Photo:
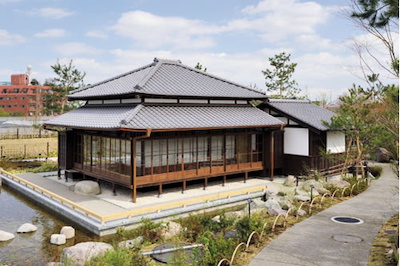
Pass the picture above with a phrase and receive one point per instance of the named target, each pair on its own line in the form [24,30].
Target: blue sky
[232,38]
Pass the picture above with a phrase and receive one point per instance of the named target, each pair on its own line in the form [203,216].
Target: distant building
[21,96]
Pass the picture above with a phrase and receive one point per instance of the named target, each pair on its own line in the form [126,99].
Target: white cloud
[7,38]
[51,33]
[153,31]
[48,12]
[76,48]
[277,20]
[96,34]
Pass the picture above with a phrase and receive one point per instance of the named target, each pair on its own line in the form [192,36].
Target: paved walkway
[320,241]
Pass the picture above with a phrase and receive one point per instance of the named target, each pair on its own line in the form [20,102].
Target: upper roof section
[165,117]
[166,78]
[300,111]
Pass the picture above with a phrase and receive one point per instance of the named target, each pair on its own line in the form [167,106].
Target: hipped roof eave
[52,127]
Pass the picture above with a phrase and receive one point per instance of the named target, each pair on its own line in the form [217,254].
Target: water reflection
[32,248]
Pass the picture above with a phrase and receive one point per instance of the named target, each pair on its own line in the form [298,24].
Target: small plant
[217,248]
[246,225]
[376,171]
[150,230]
[120,256]
[281,194]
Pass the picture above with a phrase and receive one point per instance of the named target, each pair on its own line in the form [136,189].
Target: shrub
[46,167]
[149,230]
[376,171]
[120,256]
[246,225]
[217,248]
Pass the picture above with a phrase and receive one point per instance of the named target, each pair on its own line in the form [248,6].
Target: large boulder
[171,229]
[301,195]
[132,243]
[273,207]
[26,228]
[82,252]
[68,231]
[87,187]
[383,155]
[5,236]
[58,239]
[339,183]
[284,202]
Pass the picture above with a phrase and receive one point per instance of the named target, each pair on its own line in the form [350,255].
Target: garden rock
[171,230]
[217,218]
[58,239]
[231,234]
[318,187]
[273,207]
[339,183]
[258,204]
[234,214]
[269,194]
[290,181]
[26,228]
[87,187]
[5,236]
[301,212]
[82,252]
[285,203]
[383,155]
[68,231]
[301,197]
[132,243]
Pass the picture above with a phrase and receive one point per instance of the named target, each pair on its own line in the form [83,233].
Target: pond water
[32,248]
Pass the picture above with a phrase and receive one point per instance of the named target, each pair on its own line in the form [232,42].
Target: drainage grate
[347,220]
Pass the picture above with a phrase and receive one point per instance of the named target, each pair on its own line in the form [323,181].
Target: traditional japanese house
[306,143]
[165,123]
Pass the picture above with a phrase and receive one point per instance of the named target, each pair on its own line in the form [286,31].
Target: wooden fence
[25,133]
[28,148]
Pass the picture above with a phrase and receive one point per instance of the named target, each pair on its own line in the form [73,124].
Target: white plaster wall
[335,142]
[296,141]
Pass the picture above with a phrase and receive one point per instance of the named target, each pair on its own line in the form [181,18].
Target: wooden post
[224,180]
[205,183]
[183,186]
[272,156]
[246,176]
[133,165]
[159,190]
[224,154]
[114,190]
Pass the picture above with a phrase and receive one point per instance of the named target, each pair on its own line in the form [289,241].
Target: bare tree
[371,59]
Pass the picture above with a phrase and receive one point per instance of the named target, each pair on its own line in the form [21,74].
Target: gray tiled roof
[168,78]
[162,117]
[303,111]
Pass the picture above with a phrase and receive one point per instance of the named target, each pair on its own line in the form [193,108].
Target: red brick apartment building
[22,97]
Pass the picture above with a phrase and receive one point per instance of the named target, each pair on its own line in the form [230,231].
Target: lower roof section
[164,118]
